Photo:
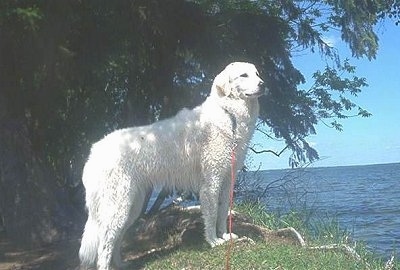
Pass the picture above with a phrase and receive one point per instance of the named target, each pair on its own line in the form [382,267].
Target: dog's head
[239,80]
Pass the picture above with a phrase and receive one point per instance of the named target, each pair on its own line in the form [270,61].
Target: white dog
[191,151]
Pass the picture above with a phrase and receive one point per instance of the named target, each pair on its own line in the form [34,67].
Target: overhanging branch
[269,151]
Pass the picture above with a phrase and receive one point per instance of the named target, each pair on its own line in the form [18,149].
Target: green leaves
[94,67]
[331,90]
[30,16]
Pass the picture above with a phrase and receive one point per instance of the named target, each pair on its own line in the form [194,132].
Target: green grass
[262,255]
[259,256]
[321,231]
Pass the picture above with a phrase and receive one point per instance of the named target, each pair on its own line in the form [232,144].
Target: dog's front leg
[223,211]
[209,194]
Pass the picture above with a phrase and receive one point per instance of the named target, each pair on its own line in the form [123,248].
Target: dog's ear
[221,84]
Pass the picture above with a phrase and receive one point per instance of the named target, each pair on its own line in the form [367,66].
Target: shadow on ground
[150,239]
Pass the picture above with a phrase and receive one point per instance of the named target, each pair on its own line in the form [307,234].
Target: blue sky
[363,141]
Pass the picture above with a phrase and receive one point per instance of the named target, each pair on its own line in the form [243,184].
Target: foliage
[102,65]
[391,10]
[75,70]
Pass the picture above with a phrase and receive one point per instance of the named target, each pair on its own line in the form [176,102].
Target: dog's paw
[216,242]
[227,236]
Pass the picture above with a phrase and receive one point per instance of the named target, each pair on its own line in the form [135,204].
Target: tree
[71,71]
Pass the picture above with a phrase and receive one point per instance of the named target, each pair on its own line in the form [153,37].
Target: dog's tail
[89,244]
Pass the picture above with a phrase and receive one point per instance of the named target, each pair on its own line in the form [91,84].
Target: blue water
[364,199]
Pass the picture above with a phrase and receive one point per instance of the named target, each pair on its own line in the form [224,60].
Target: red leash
[230,224]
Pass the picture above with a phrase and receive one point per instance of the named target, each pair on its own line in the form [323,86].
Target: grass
[262,255]
[321,231]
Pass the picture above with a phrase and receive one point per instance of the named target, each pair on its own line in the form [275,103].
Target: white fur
[191,151]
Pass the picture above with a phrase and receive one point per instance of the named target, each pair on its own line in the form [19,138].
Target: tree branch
[269,151]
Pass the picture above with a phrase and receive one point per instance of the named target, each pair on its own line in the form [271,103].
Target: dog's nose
[263,87]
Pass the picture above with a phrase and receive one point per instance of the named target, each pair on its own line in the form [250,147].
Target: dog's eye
[244,75]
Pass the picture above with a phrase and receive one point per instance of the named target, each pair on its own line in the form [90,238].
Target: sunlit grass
[260,256]
[267,255]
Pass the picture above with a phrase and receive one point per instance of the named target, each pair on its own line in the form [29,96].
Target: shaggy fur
[190,151]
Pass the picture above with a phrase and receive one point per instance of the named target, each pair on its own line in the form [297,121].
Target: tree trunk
[28,201]
[33,208]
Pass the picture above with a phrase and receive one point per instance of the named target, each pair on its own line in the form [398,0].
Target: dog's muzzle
[262,90]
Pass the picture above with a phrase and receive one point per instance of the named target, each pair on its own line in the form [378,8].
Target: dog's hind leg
[121,208]
[116,256]
[134,213]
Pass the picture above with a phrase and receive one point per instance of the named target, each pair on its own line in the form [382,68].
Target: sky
[372,140]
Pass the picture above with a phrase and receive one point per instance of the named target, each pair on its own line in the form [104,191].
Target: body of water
[364,199]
